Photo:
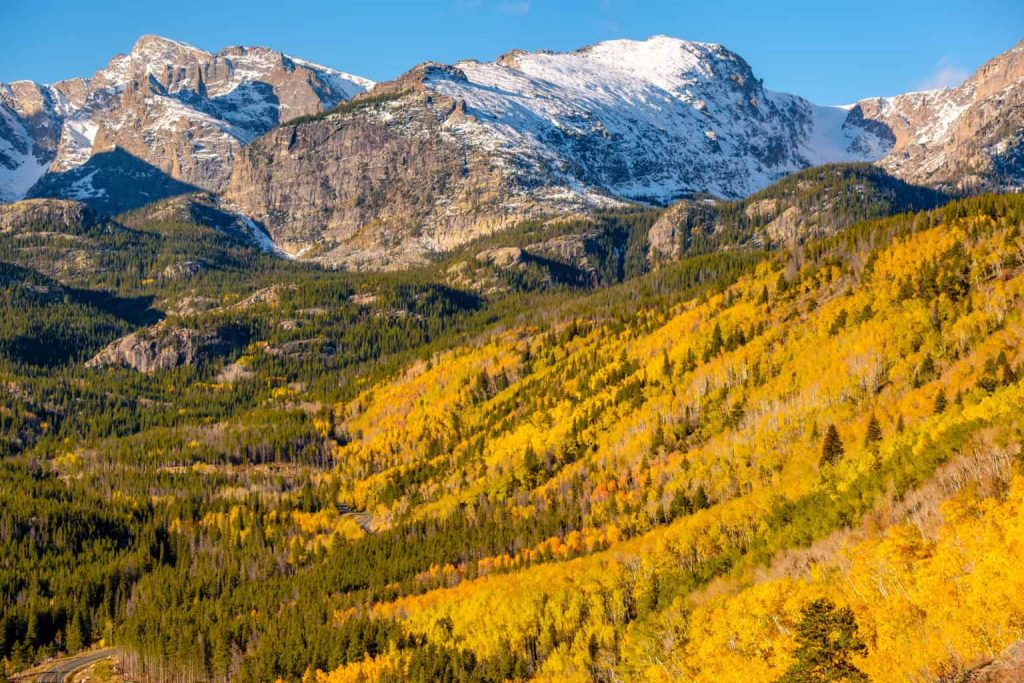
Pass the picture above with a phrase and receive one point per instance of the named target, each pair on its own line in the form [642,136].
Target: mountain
[965,139]
[174,115]
[446,153]
[338,476]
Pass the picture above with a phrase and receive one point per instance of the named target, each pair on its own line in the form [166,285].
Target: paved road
[57,672]
[363,519]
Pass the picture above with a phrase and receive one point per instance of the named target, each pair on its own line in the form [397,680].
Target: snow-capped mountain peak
[181,110]
[652,120]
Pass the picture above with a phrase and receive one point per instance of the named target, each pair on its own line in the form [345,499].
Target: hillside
[655,453]
[653,479]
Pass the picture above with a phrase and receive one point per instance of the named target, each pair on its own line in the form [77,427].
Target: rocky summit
[445,154]
[168,112]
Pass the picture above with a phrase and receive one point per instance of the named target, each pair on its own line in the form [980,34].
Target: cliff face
[968,138]
[379,183]
[164,346]
[445,154]
[48,214]
[811,203]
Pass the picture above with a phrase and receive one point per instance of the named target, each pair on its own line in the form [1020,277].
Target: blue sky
[831,51]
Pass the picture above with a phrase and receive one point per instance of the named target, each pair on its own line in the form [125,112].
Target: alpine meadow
[604,365]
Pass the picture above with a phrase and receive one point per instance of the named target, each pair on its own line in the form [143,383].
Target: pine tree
[832,448]
[666,366]
[873,434]
[531,464]
[700,499]
[941,403]
[826,638]
[715,344]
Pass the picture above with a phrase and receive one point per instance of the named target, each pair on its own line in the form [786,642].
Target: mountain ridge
[184,110]
[381,176]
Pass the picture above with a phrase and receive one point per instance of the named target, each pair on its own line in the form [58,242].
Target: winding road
[363,519]
[61,670]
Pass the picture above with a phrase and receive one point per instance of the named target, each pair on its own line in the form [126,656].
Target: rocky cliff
[966,139]
[165,346]
[448,153]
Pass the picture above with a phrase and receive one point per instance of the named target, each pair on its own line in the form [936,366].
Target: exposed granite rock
[1008,667]
[811,203]
[165,346]
[191,305]
[445,154]
[377,185]
[178,109]
[501,257]
[665,238]
[183,271]
[268,295]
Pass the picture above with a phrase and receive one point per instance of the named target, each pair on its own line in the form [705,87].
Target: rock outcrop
[379,183]
[446,154]
[47,215]
[811,203]
[165,346]
[1008,667]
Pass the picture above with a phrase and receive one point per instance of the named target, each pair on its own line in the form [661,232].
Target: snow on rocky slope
[968,138]
[444,153]
[648,120]
[181,110]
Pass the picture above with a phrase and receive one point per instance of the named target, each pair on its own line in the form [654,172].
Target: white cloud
[946,75]
[518,9]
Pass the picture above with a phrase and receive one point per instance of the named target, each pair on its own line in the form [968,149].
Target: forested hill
[682,474]
[811,203]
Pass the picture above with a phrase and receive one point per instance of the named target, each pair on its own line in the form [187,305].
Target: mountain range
[338,169]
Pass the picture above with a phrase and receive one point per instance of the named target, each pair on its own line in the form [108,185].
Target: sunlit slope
[622,464]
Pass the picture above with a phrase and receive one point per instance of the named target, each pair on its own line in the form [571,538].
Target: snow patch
[259,236]
[648,120]
[19,167]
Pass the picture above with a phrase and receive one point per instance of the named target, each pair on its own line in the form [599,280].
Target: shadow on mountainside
[111,182]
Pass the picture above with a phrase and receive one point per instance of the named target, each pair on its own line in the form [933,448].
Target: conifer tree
[873,434]
[826,638]
[832,448]
[941,403]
